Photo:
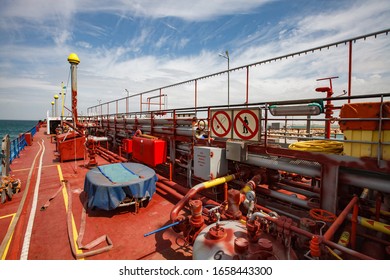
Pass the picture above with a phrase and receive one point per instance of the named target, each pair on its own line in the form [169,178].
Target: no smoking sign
[221,124]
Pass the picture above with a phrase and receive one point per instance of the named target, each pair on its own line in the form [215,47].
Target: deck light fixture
[311,109]
[55,105]
[52,108]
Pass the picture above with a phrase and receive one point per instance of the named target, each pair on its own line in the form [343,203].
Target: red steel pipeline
[179,188]
[332,244]
[164,188]
[196,189]
[111,154]
[168,190]
[178,191]
[168,186]
[175,189]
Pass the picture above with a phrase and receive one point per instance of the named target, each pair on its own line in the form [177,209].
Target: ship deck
[312,192]
[27,232]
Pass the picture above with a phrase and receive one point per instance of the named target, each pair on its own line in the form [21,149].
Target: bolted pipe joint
[196,219]
[251,184]
[253,230]
[234,198]
[315,249]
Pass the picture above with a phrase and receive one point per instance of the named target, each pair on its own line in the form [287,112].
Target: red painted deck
[49,236]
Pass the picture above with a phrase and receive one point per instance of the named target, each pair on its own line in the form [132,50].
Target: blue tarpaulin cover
[108,185]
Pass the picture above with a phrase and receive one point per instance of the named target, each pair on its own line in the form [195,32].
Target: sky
[140,45]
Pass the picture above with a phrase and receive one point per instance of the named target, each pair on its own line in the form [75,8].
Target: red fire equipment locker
[149,151]
[127,145]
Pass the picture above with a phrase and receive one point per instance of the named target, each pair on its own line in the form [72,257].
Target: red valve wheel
[322,215]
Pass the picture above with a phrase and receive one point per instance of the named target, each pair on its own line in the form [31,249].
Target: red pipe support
[340,219]
[170,171]
[354,226]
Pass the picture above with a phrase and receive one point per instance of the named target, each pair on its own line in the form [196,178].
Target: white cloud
[84,44]
[183,42]
[188,10]
[194,10]
[62,37]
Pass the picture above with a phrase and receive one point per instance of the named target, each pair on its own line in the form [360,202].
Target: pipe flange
[217,233]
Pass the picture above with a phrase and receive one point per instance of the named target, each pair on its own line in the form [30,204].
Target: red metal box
[71,146]
[127,145]
[149,151]
[29,138]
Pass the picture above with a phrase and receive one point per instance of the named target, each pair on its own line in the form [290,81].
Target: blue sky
[143,44]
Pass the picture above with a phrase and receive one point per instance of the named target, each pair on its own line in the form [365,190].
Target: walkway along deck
[29,233]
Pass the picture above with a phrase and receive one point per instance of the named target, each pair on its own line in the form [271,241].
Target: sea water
[14,127]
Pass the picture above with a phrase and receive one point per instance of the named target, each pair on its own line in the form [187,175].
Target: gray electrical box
[210,162]
[236,150]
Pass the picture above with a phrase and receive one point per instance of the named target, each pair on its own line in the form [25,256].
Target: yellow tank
[367,150]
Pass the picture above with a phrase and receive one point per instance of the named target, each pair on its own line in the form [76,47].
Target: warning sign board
[221,123]
[246,124]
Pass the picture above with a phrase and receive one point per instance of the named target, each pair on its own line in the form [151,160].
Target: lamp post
[52,108]
[127,101]
[226,56]
[100,108]
[55,105]
[74,60]
[63,98]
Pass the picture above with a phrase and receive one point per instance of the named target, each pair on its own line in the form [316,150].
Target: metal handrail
[247,66]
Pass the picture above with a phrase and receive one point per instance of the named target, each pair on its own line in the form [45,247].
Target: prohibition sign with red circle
[219,124]
[252,133]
